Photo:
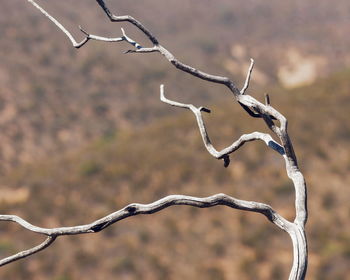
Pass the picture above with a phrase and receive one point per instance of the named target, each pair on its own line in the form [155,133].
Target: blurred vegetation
[168,157]
[55,98]
[83,133]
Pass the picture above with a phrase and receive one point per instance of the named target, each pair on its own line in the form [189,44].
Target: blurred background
[83,133]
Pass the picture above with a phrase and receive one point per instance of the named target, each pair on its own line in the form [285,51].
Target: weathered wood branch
[249,74]
[23,254]
[253,107]
[60,26]
[135,209]
[224,153]
[127,18]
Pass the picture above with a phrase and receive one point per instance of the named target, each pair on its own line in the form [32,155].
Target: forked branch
[274,120]
[224,153]
[135,209]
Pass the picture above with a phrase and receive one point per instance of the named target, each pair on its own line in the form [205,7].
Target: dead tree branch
[249,74]
[253,107]
[223,154]
[135,209]
[23,254]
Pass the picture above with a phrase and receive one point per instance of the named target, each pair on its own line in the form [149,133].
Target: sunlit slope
[168,157]
[55,98]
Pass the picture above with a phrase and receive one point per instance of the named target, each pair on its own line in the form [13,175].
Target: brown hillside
[54,98]
[168,157]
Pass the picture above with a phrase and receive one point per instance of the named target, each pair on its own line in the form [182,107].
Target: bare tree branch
[256,109]
[206,140]
[27,253]
[130,19]
[135,209]
[253,107]
[60,26]
[246,84]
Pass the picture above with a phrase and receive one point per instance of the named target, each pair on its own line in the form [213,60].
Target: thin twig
[247,80]
[23,254]
[60,26]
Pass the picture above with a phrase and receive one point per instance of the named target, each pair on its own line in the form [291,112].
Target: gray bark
[275,121]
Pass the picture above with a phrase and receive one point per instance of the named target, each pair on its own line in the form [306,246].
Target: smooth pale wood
[253,107]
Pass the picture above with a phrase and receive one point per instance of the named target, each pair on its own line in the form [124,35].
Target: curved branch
[252,106]
[29,252]
[130,19]
[170,57]
[60,26]
[135,209]
[266,138]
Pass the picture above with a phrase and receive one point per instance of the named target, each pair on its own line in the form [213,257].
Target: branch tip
[82,30]
[247,80]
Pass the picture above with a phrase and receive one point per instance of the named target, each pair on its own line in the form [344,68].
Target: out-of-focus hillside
[167,157]
[54,98]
